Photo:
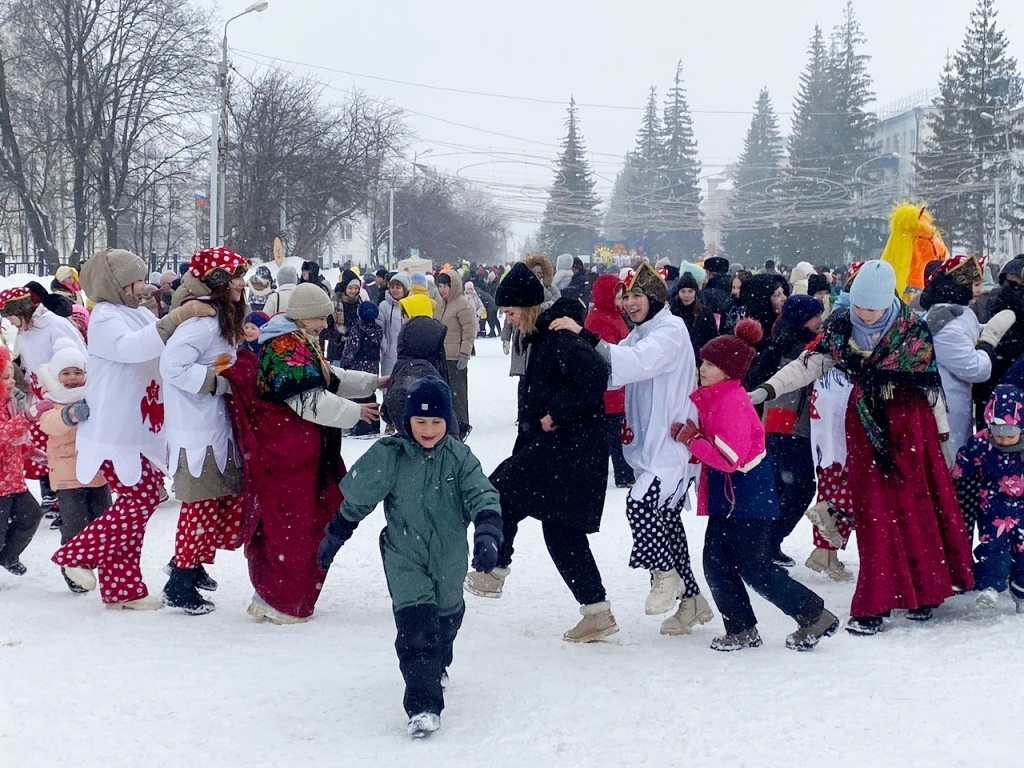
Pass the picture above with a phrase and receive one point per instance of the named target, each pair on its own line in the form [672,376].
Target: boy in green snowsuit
[432,487]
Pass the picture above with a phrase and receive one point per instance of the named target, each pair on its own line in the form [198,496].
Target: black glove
[487,541]
[339,530]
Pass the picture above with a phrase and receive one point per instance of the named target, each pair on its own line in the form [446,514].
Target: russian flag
[202,201]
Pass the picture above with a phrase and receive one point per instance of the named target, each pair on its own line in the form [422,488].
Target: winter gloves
[37,409]
[487,540]
[215,384]
[75,413]
[339,530]
[996,328]
[759,395]
[684,433]
[463,363]
[165,326]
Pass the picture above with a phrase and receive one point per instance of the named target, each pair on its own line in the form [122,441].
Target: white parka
[656,365]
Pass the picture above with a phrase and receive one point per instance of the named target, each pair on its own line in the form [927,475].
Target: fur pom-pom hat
[733,353]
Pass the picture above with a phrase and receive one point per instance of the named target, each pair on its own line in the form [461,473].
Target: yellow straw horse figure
[914,240]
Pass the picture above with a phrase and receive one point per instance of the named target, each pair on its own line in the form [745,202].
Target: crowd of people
[762,397]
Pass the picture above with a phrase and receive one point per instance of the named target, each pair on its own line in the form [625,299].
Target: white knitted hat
[66,355]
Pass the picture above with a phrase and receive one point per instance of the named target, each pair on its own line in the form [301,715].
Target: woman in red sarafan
[288,408]
[914,549]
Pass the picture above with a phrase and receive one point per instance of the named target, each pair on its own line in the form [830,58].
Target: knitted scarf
[903,359]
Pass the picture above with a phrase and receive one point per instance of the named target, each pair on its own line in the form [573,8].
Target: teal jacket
[430,497]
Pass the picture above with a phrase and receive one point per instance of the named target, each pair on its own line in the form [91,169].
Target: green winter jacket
[430,497]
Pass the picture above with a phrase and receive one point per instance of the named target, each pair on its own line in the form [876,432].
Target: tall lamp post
[219,134]
[1005,123]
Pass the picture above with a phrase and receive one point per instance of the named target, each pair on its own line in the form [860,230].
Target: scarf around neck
[866,336]
[902,358]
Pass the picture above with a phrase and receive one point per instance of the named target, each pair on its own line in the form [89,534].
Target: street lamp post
[1005,123]
[218,141]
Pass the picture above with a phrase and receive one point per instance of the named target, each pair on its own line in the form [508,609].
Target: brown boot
[486,584]
[827,561]
[691,612]
[597,623]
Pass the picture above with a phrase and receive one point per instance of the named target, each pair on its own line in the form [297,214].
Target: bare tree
[300,166]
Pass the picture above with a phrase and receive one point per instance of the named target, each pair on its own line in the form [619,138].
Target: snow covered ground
[82,687]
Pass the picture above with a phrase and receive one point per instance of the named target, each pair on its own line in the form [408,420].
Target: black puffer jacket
[559,476]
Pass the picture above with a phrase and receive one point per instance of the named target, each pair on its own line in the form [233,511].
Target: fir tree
[967,150]
[810,230]
[754,208]
[571,221]
[632,212]
[865,226]
[680,223]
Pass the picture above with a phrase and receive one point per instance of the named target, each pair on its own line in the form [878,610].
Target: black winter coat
[559,476]
[422,338]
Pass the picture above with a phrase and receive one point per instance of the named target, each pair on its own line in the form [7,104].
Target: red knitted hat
[733,354]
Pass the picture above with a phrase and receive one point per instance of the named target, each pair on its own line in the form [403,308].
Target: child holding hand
[432,487]
[737,492]
[63,383]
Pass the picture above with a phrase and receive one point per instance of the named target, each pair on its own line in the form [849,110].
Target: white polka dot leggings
[113,542]
[659,540]
[206,526]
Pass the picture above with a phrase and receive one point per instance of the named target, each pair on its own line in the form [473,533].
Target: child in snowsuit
[19,511]
[432,487]
[63,383]
[737,492]
[988,480]
[362,353]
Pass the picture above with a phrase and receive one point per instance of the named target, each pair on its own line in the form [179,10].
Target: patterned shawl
[290,365]
[903,359]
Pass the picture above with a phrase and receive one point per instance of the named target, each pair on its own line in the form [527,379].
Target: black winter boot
[181,592]
[204,581]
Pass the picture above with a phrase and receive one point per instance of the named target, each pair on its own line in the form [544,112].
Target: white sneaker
[691,612]
[987,598]
[83,577]
[259,609]
[423,724]
[666,587]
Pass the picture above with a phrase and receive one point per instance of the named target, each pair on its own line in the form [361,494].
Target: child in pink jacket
[737,492]
[19,511]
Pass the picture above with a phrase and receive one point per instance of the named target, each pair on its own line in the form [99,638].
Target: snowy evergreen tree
[633,214]
[754,207]
[833,191]
[811,230]
[866,225]
[680,223]
[967,150]
[571,221]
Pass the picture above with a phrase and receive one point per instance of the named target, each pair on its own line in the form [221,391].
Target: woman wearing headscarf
[288,410]
[887,422]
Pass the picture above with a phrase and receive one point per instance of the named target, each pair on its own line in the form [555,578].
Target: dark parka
[559,476]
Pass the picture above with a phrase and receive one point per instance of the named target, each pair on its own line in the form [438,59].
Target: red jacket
[14,447]
[606,321]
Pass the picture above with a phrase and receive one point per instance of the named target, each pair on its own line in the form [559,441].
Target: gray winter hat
[287,275]
[309,301]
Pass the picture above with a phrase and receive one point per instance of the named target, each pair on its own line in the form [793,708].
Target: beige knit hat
[125,266]
[309,301]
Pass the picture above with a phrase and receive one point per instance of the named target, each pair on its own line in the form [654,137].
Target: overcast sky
[607,54]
